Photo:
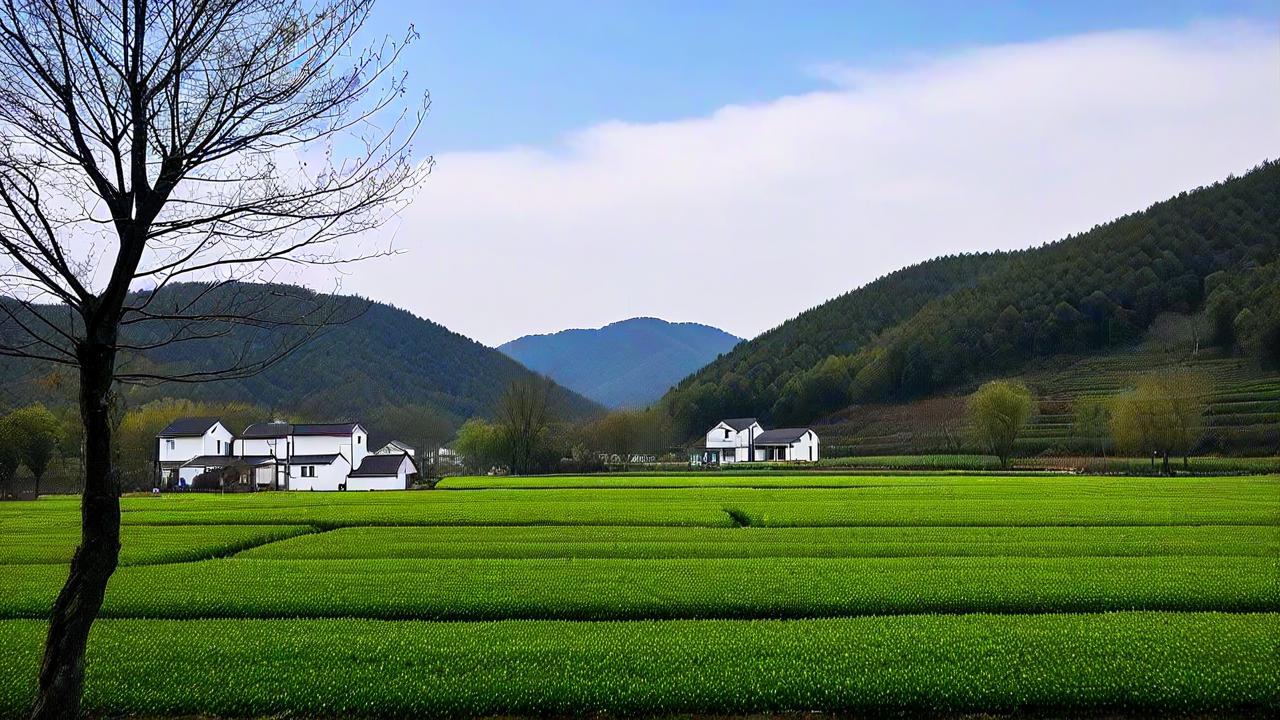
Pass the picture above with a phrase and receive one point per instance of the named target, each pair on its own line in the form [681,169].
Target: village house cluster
[744,440]
[279,456]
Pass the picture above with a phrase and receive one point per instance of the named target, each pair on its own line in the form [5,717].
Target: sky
[737,163]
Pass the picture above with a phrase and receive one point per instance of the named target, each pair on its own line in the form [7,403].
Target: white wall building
[787,444]
[744,440]
[730,441]
[185,439]
[286,456]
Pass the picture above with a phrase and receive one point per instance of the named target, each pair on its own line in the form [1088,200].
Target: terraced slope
[1243,413]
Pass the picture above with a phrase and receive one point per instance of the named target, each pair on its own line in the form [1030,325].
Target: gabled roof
[229,461]
[781,436]
[313,459]
[326,428]
[380,465]
[281,429]
[739,424]
[395,447]
[188,427]
[266,430]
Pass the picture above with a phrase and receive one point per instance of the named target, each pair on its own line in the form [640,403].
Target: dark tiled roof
[739,424]
[395,447]
[781,436]
[266,430]
[313,459]
[229,460]
[379,465]
[189,427]
[325,428]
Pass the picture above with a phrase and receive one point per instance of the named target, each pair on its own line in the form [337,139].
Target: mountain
[942,326]
[382,358]
[629,363]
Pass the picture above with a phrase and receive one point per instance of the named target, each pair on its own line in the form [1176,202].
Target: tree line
[1161,417]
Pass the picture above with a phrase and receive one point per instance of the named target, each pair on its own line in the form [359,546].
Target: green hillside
[1209,254]
[1243,413]
[381,357]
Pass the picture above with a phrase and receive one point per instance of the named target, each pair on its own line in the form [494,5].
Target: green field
[680,594]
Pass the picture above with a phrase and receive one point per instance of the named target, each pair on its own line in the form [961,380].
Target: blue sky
[603,160]
[506,73]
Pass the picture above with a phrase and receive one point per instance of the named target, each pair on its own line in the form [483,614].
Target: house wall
[805,449]
[735,448]
[275,447]
[328,477]
[353,447]
[185,448]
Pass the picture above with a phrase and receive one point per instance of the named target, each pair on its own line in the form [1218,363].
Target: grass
[1111,663]
[679,542]
[34,542]
[900,501]
[626,589]
[666,595]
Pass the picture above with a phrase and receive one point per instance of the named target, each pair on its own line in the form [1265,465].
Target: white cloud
[744,218]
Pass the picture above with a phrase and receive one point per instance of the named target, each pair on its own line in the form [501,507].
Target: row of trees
[530,434]
[1163,417]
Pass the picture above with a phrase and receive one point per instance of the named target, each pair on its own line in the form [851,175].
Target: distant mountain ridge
[629,363]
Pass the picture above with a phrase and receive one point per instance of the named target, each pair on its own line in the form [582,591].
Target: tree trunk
[62,670]
[1165,466]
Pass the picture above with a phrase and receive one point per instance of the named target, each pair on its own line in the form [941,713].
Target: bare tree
[144,142]
[524,414]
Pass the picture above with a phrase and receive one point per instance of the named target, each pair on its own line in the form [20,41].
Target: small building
[185,439]
[730,441]
[395,447]
[787,444]
[744,440]
[383,472]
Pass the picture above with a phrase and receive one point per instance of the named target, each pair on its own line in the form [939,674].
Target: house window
[726,434]
[307,471]
[359,440]
[219,447]
[168,444]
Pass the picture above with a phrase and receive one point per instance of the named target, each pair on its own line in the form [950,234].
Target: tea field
[667,595]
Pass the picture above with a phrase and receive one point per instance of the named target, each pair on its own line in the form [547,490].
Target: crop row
[483,589]
[33,542]
[1132,663]
[918,501]
[569,541]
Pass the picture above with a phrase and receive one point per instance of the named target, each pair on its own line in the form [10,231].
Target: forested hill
[382,357]
[950,321]
[630,363]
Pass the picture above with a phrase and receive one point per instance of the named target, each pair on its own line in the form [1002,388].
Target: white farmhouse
[186,439]
[285,456]
[744,440]
[786,444]
[731,441]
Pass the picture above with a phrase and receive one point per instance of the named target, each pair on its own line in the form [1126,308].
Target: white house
[787,444]
[731,441]
[286,456]
[186,439]
[383,472]
[744,440]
